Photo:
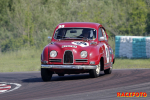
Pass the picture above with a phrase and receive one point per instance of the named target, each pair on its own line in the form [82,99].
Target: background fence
[132,46]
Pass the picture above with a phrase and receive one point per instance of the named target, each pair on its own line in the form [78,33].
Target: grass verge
[131,63]
[22,60]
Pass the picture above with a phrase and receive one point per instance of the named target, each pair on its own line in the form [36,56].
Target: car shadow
[61,78]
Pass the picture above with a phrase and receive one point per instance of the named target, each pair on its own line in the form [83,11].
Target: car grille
[81,60]
[68,57]
[54,60]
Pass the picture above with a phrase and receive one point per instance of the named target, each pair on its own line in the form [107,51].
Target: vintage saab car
[77,47]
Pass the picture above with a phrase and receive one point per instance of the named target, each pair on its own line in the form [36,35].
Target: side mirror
[101,38]
[49,38]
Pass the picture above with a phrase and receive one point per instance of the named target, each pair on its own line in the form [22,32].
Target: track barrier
[132,47]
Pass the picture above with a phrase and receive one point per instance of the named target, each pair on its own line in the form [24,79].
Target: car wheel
[46,74]
[95,72]
[61,74]
[108,71]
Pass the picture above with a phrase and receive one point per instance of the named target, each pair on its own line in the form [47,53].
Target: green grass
[29,60]
[131,63]
[22,60]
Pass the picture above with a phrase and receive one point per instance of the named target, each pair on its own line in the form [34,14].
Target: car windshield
[75,33]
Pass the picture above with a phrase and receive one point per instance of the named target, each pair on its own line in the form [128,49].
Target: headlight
[53,53]
[83,54]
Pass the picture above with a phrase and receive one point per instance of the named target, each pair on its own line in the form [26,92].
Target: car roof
[79,24]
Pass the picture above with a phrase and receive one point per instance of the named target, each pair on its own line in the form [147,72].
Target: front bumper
[69,66]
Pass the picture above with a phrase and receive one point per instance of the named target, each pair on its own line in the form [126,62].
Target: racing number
[107,53]
[61,26]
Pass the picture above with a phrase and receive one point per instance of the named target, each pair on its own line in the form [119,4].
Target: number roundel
[107,53]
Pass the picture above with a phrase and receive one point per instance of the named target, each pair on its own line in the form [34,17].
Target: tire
[95,72]
[61,74]
[108,71]
[46,74]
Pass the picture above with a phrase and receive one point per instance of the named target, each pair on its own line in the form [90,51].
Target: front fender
[96,54]
[44,55]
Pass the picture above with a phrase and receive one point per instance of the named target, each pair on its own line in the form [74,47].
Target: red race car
[77,47]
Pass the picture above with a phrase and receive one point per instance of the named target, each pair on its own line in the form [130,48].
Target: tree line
[28,23]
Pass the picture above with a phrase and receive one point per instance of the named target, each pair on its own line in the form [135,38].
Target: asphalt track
[78,87]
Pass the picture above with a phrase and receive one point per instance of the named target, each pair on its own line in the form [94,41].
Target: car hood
[71,45]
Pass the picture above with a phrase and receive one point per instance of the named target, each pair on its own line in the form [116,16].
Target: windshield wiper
[78,36]
[70,38]
[84,38]
[61,36]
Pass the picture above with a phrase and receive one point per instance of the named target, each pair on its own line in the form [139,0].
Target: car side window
[104,34]
[100,34]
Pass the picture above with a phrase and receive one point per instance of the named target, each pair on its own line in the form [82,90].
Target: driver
[86,33]
[61,34]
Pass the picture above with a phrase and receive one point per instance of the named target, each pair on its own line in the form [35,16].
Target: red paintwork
[95,51]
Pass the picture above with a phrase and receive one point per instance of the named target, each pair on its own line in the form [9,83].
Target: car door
[107,47]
